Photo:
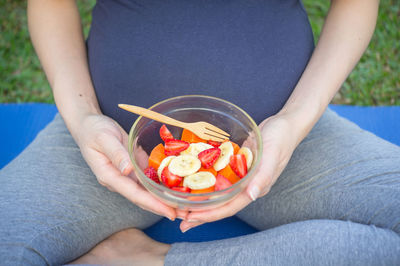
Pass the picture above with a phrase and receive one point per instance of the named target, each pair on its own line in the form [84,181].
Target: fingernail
[193,221]
[123,165]
[171,218]
[254,192]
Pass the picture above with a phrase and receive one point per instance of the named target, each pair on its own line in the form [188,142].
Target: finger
[227,210]
[107,186]
[141,157]
[181,214]
[262,180]
[124,136]
[115,151]
[109,175]
[185,225]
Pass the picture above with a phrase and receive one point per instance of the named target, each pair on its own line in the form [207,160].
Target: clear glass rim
[210,194]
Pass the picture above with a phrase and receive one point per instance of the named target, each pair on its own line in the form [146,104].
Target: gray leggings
[336,203]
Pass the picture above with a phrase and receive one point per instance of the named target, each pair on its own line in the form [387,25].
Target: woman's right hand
[103,144]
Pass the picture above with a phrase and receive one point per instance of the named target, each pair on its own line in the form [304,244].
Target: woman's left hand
[279,143]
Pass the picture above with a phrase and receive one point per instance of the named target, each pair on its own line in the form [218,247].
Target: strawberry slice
[151,173]
[222,183]
[165,134]
[238,164]
[214,143]
[175,146]
[209,157]
[169,179]
[181,189]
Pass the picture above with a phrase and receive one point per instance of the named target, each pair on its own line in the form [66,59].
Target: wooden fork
[202,129]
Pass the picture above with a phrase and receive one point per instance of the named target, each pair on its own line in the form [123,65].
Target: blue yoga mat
[20,124]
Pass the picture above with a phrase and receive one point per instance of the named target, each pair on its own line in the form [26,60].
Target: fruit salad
[194,165]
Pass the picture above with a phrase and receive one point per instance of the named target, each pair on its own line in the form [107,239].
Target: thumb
[116,152]
[262,181]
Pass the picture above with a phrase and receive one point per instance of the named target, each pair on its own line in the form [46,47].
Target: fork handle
[152,115]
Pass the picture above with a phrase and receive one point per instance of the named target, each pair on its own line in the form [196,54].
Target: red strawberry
[222,183]
[175,146]
[214,143]
[165,134]
[181,189]
[169,179]
[238,164]
[209,156]
[151,173]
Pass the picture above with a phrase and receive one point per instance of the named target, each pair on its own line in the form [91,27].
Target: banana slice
[195,148]
[248,155]
[184,165]
[164,163]
[200,180]
[224,157]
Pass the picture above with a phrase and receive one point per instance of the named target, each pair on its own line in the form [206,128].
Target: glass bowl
[144,136]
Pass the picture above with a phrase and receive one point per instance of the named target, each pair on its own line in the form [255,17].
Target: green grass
[374,81]
[376,78]
[21,77]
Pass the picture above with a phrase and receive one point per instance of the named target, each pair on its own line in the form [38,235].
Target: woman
[335,201]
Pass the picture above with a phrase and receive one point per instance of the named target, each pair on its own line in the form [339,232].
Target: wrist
[75,105]
[302,117]
[75,121]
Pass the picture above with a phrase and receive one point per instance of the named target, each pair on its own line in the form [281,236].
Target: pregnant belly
[250,55]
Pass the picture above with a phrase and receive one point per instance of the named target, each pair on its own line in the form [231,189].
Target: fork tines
[216,132]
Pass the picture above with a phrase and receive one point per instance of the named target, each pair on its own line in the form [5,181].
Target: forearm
[346,33]
[56,34]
